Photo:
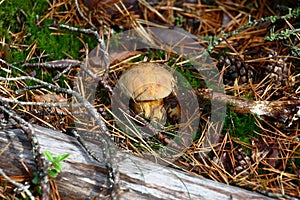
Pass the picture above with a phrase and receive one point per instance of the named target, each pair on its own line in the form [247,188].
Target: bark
[82,177]
[283,111]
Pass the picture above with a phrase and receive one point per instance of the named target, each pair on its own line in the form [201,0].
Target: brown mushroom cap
[147,81]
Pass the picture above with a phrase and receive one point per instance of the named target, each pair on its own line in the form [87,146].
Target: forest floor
[253,46]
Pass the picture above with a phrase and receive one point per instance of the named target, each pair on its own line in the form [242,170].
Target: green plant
[292,13]
[281,35]
[55,166]
[179,20]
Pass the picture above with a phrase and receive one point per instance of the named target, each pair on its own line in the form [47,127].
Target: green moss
[242,126]
[16,14]
[21,17]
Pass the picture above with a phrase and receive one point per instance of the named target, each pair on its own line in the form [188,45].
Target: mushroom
[148,84]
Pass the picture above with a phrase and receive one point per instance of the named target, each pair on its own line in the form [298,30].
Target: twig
[32,58]
[32,87]
[111,178]
[12,66]
[100,79]
[61,73]
[20,186]
[82,15]
[109,150]
[99,40]
[43,104]
[55,64]
[38,156]
[272,19]
[161,137]
[65,63]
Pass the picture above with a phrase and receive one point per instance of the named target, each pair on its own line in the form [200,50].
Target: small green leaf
[62,157]
[49,156]
[57,166]
[35,179]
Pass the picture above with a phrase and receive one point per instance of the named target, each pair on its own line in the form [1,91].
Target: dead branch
[285,111]
[83,178]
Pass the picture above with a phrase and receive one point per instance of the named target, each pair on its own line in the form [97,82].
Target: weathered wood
[282,111]
[82,177]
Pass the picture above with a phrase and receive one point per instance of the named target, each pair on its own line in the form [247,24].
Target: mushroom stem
[153,110]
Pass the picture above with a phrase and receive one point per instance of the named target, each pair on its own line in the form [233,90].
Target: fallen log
[83,178]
